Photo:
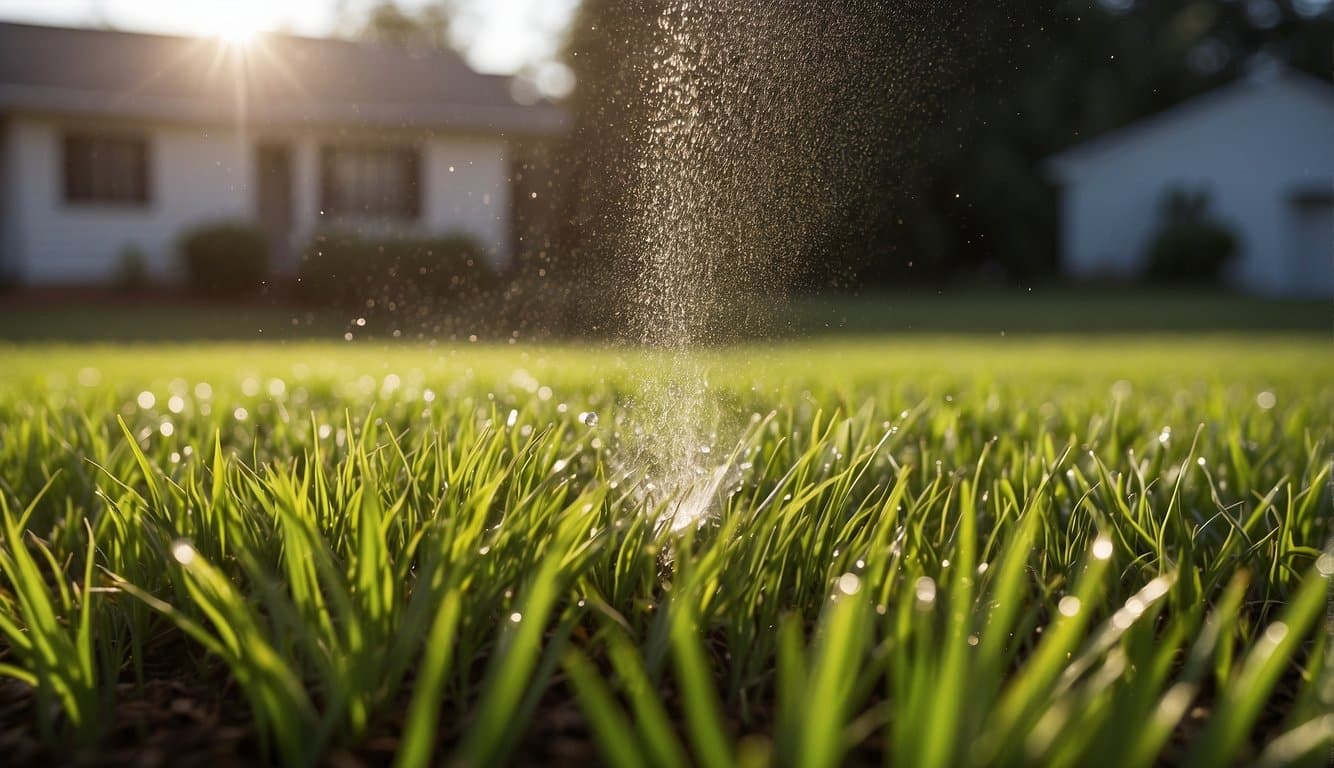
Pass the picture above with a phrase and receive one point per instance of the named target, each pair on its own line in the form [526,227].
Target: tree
[386,22]
[910,135]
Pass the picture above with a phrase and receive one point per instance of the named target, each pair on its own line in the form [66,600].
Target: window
[106,169]
[371,181]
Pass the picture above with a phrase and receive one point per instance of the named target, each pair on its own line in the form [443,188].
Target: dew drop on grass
[176,404]
[516,617]
[146,400]
[1325,565]
[589,418]
[925,590]
[1266,400]
[1069,606]
[240,414]
[849,584]
[183,551]
[167,429]
[513,418]
[1102,548]
[1275,632]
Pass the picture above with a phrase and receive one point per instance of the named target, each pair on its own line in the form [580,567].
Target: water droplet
[513,418]
[849,584]
[925,589]
[1266,400]
[516,617]
[240,414]
[1275,632]
[145,400]
[183,551]
[589,418]
[1103,548]
[1069,606]
[1325,564]
[167,429]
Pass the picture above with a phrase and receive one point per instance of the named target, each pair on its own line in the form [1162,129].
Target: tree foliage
[957,106]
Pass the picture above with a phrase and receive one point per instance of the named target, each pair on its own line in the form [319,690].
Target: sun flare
[236,28]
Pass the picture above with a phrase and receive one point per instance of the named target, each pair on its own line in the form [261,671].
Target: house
[111,141]
[1262,149]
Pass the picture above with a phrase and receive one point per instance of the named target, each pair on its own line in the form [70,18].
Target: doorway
[273,186]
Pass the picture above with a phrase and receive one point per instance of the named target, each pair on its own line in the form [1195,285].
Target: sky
[499,36]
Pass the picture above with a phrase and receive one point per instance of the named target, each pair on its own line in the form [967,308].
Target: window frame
[408,153]
[81,150]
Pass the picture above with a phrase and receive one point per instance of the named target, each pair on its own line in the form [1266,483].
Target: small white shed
[1261,148]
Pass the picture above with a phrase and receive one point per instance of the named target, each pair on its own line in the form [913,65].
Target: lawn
[1039,310]
[924,550]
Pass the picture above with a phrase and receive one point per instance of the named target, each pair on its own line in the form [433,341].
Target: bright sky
[498,35]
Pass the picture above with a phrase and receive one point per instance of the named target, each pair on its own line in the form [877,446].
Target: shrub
[225,260]
[349,270]
[132,271]
[1190,247]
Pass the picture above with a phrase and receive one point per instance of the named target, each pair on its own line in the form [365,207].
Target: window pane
[106,169]
[371,181]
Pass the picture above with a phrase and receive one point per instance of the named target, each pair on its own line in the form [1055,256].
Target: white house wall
[1251,149]
[194,176]
[200,174]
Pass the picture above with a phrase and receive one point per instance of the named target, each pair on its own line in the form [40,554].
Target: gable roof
[1146,129]
[277,79]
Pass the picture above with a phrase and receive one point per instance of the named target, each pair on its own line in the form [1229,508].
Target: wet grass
[929,552]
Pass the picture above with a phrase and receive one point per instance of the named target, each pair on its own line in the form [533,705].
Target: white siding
[194,176]
[1252,148]
[206,174]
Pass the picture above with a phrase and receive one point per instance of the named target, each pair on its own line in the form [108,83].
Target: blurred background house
[880,148]
[113,145]
[1253,161]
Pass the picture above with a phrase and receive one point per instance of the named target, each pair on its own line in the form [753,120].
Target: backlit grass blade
[428,689]
[1242,701]
[613,732]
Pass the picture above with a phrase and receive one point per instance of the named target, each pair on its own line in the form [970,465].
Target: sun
[237,28]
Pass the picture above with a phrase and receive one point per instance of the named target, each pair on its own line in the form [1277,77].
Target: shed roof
[1147,129]
[277,79]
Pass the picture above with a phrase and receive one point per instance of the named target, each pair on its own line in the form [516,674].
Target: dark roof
[1061,164]
[282,80]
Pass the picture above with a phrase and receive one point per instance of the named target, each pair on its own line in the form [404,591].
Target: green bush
[132,274]
[1192,253]
[225,260]
[349,270]
[1190,247]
